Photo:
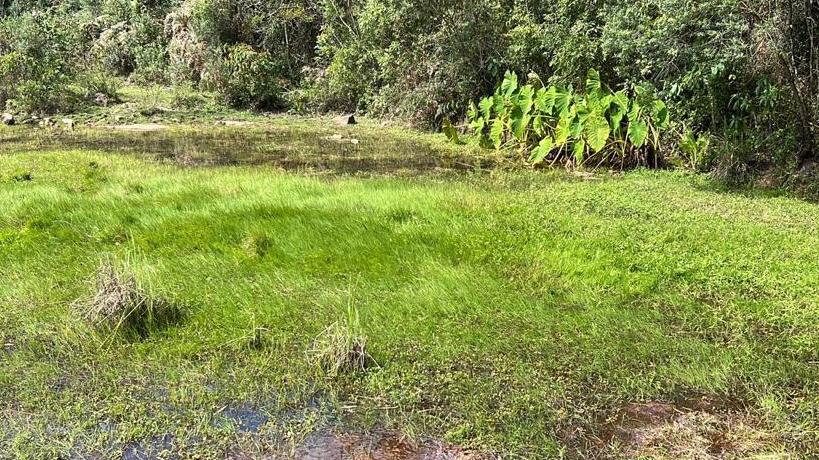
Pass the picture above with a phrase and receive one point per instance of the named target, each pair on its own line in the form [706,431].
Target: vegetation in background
[556,124]
[743,73]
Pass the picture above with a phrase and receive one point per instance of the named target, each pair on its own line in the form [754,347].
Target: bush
[246,78]
[557,124]
[36,64]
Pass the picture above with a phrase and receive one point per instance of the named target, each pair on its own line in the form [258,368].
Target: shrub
[246,78]
[91,84]
[36,65]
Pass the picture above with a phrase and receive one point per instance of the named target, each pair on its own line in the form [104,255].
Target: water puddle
[245,419]
[329,446]
[159,447]
[290,147]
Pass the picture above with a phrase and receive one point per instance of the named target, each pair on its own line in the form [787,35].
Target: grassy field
[520,314]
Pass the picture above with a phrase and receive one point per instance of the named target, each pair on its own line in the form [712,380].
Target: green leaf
[617,110]
[496,133]
[661,115]
[578,150]
[450,132]
[582,112]
[526,99]
[538,126]
[478,125]
[541,151]
[597,131]
[620,98]
[576,126]
[637,133]
[510,83]
[472,113]
[563,99]
[562,132]
[634,112]
[499,105]
[593,83]
[516,124]
[486,107]
[545,100]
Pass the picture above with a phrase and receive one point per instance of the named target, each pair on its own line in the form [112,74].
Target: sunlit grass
[504,310]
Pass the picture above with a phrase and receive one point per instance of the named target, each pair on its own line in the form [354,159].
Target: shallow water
[328,446]
[290,147]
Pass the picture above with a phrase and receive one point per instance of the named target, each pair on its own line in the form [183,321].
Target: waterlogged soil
[304,148]
[697,428]
[323,445]
[328,446]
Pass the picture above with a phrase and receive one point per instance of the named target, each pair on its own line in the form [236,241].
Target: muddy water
[289,147]
[328,446]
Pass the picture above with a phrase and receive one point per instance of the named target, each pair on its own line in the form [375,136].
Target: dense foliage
[556,123]
[742,74]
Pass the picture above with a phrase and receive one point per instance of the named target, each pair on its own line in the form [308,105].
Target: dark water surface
[290,147]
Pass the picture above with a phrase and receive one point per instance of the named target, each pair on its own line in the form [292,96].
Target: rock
[69,123]
[101,99]
[343,140]
[234,123]
[47,123]
[7,119]
[344,120]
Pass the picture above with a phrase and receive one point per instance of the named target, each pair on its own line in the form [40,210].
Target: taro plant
[558,124]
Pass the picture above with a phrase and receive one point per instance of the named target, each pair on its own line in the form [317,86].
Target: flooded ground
[305,147]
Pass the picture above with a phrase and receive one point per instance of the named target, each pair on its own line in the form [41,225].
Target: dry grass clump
[121,304]
[701,435]
[342,347]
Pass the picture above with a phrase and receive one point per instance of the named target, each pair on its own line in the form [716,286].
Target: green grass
[506,310]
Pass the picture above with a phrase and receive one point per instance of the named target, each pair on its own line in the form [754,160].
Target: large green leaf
[620,98]
[478,125]
[634,111]
[450,132]
[593,83]
[576,126]
[594,88]
[472,113]
[510,83]
[597,132]
[499,105]
[637,132]
[541,151]
[579,150]
[496,132]
[526,99]
[545,100]
[563,132]
[538,126]
[661,115]
[617,110]
[563,99]
[486,107]
[516,122]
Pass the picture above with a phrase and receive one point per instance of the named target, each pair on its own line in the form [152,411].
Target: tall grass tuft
[120,304]
[342,347]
